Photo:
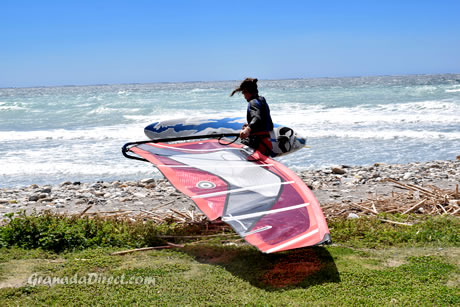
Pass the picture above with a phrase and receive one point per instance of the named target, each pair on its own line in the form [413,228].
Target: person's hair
[249,85]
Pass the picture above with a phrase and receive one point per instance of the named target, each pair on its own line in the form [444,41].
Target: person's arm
[255,112]
[244,133]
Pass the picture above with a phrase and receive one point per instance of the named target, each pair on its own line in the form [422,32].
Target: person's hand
[244,133]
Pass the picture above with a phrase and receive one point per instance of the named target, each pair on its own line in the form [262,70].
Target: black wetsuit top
[258,115]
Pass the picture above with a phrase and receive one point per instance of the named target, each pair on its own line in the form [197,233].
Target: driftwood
[170,245]
[428,200]
[394,222]
[84,211]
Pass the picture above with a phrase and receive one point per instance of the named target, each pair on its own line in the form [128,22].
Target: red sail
[263,201]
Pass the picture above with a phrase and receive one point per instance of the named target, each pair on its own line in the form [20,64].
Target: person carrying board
[256,133]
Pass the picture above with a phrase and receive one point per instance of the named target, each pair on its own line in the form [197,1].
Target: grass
[59,233]
[371,263]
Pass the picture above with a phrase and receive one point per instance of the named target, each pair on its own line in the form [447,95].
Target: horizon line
[229,80]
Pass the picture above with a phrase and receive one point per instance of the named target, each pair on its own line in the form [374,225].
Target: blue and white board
[284,139]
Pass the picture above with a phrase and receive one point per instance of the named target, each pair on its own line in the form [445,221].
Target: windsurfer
[256,133]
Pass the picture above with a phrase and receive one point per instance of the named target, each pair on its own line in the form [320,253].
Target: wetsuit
[260,122]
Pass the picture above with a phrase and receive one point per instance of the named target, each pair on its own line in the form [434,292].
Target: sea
[49,135]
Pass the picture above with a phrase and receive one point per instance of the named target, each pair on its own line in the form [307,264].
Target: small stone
[3,201]
[34,198]
[66,183]
[338,170]
[148,180]
[46,190]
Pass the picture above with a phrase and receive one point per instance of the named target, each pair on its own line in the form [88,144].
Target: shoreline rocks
[337,184]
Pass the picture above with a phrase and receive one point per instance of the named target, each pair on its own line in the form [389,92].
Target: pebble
[148,181]
[33,198]
[331,184]
[338,170]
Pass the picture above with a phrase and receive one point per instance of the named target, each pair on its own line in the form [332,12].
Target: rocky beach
[333,187]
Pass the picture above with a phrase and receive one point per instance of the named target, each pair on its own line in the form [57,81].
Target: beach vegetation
[58,233]
[49,259]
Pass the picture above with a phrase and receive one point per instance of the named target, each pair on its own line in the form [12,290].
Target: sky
[51,43]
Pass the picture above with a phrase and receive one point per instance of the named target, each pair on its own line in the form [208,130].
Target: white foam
[73,169]
[92,134]
[384,134]
[421,113]
[199,90]
[11,108]
[103,110]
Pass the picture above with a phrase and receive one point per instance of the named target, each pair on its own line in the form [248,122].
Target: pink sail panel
[263,201]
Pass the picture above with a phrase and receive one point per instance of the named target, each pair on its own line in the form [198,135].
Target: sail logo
[206,185]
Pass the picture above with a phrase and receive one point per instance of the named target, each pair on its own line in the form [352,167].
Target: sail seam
[254,187]
[256,214]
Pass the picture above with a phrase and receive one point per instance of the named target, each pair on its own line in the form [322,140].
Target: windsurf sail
[261,199]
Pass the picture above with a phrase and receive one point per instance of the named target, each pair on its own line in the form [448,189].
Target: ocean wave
[199,90]
[102,110]
[424,113]
[93,134]
[8,106]
[77,170]
[11,108]
[383,134]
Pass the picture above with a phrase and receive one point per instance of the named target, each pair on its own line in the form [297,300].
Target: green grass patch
[57,233]
[373,262]
[378,232]
[223,275]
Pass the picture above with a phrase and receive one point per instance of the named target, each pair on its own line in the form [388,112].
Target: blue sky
[94,42]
